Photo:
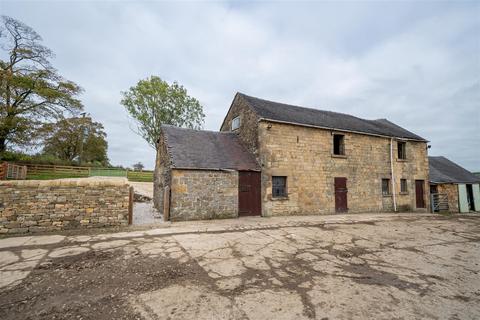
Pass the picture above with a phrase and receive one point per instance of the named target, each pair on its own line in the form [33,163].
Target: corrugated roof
[326,119]
[198,149]
[443,170]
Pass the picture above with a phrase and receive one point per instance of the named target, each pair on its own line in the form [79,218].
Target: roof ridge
[197,130]
[308,108]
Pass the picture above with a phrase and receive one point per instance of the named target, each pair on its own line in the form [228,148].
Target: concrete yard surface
[340,267]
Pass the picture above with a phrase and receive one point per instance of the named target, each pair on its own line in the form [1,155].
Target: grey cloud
[416,64]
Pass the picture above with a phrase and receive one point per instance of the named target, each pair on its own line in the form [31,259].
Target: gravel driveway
[379,266]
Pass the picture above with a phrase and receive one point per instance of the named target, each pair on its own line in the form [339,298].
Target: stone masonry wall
[203,194]
[248,131]
[35,206]
[452,191]
[161,175]
[304,156]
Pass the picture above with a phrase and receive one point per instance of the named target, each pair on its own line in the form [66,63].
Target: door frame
[423,194]
[335,179]
[257,194]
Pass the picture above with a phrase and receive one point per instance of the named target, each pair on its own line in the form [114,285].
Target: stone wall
[161,174]
[36,206]
[452,191]
[248,131]
[304,156]
[203,194]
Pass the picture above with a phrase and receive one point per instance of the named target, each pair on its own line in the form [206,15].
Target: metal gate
[439,202]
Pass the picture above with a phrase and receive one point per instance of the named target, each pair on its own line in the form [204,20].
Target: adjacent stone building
[453,188]
[290,160]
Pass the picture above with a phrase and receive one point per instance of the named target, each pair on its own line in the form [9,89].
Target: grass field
[140,176]
[45,172]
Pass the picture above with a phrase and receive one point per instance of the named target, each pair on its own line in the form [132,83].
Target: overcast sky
[416,64]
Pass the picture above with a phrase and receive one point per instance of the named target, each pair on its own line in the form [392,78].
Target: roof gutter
[341,130]
[213,169]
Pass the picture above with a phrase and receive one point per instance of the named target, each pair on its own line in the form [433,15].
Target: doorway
[471,202]
[341,194]
[419,194]
[249,193]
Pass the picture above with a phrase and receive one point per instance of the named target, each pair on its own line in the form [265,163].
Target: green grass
[54,175]
[106,172]
[140,176]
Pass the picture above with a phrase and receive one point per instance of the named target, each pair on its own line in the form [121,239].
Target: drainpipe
[393,176]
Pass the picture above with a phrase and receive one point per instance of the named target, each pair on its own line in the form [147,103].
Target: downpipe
[393,177]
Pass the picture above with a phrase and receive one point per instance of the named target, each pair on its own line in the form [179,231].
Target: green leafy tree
[76,139]
[31,90]
[153,102]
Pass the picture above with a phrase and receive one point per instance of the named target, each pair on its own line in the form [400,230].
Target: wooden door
[341,195]
[419,194]
[249,193]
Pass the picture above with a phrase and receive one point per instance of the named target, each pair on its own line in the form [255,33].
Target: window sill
[402,160]
[341,156]
[404,193]
[279,198]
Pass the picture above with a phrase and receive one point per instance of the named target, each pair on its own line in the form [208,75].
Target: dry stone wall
[37,206]
[203,194]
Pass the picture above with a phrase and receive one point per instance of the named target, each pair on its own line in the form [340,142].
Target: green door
[462,198]
[476,196]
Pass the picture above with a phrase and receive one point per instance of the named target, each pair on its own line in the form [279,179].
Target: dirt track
[415,267]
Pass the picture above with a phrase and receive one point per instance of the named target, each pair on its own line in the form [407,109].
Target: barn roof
[276,111]
[443,170]
[199,149]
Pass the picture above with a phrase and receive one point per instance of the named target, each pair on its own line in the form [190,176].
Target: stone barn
[198,174]
[452,187]
[273,159]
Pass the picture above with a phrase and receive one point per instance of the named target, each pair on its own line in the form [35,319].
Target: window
[338,144]
[402,150]
[236,123]
[279,187]
[385,187]
[403,185]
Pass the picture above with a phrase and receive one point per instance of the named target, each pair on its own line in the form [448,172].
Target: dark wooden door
[341,194]
[249,194]
[420,201]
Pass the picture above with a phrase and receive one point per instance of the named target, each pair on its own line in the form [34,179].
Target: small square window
[402,150]
[403,185]
[385,187]
[235,123]
[279,187]
[338,144]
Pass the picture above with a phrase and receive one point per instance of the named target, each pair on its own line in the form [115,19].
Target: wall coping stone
[66,182]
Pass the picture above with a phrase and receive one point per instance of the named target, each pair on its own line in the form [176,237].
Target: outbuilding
[205,175]
[453,188]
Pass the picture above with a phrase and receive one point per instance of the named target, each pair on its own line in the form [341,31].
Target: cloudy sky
[417,64]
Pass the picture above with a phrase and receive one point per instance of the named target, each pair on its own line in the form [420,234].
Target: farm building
[452,187]
[274,159]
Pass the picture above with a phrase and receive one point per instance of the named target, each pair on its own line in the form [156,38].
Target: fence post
[166,203]
[130,205]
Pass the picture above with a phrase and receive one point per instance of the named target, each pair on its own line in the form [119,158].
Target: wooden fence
[46,172]
[43,172]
